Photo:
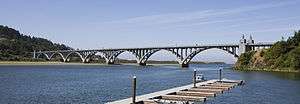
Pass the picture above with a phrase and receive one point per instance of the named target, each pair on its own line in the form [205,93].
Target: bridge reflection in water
[184,54]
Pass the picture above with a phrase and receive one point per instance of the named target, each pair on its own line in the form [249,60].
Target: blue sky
[90,24]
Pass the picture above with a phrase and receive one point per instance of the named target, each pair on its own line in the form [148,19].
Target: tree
[15,46]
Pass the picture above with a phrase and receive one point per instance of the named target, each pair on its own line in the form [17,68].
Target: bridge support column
[110,63]
[67,60]
[34,54]
[85,61]
[184,65]
[142,64]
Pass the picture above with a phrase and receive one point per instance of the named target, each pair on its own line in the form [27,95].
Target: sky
[96,24]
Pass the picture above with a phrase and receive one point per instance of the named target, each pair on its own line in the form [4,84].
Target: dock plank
[221,85]
[206,90]
[182,98]
[188,88]
[191,93]
[212,87]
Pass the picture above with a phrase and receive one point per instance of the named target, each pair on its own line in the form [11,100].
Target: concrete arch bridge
[184,54]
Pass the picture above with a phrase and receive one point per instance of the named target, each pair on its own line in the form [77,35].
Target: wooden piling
[220,75]
[194,77]
[134,90]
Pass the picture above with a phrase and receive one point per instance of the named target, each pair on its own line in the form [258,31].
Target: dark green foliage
[295,40]
[246,58]
[293,59]
[277,50]
[283,55]
[15,46]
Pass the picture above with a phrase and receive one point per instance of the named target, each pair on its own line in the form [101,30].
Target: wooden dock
[187,93]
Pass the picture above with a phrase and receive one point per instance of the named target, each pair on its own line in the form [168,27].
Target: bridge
[184,54]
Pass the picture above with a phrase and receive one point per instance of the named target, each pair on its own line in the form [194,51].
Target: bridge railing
[263,43]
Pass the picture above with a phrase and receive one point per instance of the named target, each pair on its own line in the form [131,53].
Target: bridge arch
[145,58]
[59,54]
[231,51]
[101,54]
[43,54]
[74,53]
[114,56]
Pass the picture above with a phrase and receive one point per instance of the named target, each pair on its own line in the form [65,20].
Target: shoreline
[268,70]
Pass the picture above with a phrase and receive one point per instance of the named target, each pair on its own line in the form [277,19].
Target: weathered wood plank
[206,90]
[235,84]
[191,93]
[220,85]
[182,98]
[212,87]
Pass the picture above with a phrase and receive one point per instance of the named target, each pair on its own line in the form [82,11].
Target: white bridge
[184,54]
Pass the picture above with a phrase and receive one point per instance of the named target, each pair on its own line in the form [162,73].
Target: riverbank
[256,61]
[283,56]
[269,70]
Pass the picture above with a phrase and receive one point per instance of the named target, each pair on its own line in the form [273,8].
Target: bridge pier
[184,65]
[142,64]
[85,61]
[67,60]
[110,63]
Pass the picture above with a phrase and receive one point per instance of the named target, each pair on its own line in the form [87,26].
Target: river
[90,84]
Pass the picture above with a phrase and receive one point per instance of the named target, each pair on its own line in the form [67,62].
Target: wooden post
[134,90]
[220,74]
[194,78]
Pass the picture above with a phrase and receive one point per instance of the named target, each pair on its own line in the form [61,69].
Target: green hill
[15,46]
[282,56]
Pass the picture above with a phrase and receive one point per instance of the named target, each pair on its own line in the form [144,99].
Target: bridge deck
[168,47]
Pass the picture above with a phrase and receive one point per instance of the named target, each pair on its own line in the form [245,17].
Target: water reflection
[287,75]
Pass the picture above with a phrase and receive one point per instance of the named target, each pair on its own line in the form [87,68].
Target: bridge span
[184,54]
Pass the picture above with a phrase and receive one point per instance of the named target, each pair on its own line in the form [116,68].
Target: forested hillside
[282,56]
[15,46]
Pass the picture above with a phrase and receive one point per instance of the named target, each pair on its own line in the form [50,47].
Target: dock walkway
[165,93]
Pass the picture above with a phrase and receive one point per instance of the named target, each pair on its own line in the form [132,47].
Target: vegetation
[15,46]
[282,56]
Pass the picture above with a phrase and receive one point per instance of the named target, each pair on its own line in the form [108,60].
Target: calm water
[91,84]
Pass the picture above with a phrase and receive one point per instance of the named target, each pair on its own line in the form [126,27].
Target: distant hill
[15,46]
[282,56]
